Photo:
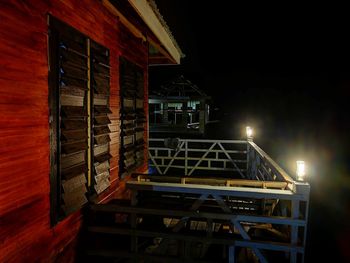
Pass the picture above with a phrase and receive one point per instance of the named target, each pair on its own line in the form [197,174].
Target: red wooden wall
[25,232]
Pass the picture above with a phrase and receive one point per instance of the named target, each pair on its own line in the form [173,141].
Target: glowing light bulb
[301,170]
[249,132]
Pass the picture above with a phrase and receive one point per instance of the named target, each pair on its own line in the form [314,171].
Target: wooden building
[179,107]
[73,105]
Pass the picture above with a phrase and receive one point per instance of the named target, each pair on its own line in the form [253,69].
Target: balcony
[211,201]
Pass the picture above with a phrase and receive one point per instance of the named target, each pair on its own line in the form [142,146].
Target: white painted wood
[154,152]
[222,190]
[272,163]
[147,14]
[201,150]
[231,254]
[155,163]
[206,168]
[186,158]
[174,157]
[218,216]
[222,203]
[202,141]
[245,235]
[294,229]
[203,157]
[197,158]
[268,246]
[229,157]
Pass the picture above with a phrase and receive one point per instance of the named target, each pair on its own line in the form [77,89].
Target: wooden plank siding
[25,231]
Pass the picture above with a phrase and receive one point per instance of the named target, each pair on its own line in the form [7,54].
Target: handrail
[200,140]
[209,181]
[260,166]
[198,154]
[272,164]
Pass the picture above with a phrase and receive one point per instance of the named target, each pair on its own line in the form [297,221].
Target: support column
[231,254]
[165,113]
[184,114]
[206,113]
[248,161]
[303,189]
[294,230]
[202,116]
[186,157]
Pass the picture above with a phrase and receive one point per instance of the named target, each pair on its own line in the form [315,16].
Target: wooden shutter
[68,90]
[100,90]
[132,116]
[140,117]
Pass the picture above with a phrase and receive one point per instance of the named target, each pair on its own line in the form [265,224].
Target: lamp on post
[249,132]
[301,171]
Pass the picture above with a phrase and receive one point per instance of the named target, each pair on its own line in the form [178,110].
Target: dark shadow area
[284,71]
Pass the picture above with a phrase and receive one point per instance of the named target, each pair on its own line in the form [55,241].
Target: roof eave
[148,15]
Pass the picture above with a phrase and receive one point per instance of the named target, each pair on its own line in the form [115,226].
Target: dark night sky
[290,63]
[284,69]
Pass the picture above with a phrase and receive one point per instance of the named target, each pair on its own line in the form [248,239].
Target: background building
[178,107]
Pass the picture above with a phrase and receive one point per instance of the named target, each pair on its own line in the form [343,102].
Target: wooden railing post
[231,254]
[294,230]
[186,157]
[248,171]
[303,189]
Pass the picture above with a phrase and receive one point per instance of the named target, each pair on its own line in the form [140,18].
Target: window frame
[54,88]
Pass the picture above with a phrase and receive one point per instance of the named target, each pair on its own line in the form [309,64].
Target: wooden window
[79,133]
[133,117]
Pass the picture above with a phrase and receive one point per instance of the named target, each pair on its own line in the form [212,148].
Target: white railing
[266,181]
[230,157]
[260,166]
[239,210]
[192,155]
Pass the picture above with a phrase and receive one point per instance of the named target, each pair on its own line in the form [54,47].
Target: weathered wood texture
[25,231]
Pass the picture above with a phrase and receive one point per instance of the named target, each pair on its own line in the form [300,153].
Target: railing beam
[229,157]
[172,160]
[203,157]
[154,162]
[186,157]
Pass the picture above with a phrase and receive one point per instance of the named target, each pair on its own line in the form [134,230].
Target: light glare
[300,170]
[249,132]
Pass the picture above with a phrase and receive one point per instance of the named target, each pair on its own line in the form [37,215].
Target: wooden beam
[160,61]
[232,161]
[203,157]
[167,59]
[212,181]
[245,235]
[277,246]
[204,141]
[194,214]
[133,29]
[173,157]
[273,164]
[161,50]
[145,11]
[217,190]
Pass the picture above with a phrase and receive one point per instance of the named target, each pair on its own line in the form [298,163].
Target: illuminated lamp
[249,132]
[300,170]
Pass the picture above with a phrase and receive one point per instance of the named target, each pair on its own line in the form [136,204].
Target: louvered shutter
[132,116]
[73,118]
[100,90]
